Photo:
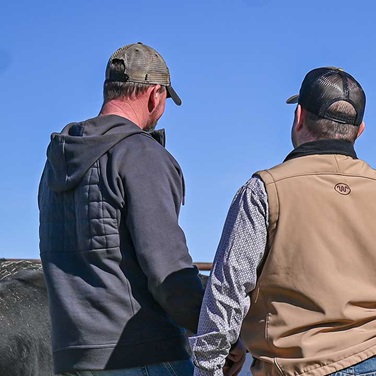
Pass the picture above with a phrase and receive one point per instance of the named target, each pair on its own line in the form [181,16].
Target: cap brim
[293,99]
[171,93]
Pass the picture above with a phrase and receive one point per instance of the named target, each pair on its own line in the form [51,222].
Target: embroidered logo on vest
[342,188]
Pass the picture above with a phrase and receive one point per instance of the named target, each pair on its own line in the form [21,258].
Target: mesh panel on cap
[142,64]
[323,87]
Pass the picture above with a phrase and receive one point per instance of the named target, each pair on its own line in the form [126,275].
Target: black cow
[25,348]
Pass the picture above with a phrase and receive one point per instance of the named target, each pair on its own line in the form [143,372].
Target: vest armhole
[273,203]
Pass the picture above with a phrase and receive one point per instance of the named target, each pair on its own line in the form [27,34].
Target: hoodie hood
[79,145]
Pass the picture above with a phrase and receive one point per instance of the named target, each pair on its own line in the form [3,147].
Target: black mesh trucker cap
[322,87]
[142,65]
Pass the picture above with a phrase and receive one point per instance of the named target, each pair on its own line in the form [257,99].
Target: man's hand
[235,359]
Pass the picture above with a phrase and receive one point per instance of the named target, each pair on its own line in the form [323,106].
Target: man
[295,269]
[120,280]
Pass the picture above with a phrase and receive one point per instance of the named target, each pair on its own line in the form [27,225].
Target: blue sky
[233,62]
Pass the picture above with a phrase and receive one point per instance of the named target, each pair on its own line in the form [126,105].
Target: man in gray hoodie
[121,283]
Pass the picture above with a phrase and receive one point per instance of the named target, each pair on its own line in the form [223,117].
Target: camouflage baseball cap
[142,64]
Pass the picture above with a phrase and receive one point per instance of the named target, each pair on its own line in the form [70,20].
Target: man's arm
[153,192]
[232,279]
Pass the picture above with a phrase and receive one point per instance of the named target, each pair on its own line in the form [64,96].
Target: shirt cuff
[209,352]
[203,372]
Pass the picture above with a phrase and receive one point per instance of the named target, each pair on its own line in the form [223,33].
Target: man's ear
[299,117]
[153,97]
[361,129]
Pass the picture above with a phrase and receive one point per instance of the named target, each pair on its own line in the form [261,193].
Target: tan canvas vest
[313,310]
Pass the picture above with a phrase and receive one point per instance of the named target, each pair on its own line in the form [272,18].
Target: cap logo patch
[342,188]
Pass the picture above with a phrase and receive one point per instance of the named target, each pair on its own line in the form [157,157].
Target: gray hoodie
[120,280]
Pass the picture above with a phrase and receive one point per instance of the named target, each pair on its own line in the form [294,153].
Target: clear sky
[233,62]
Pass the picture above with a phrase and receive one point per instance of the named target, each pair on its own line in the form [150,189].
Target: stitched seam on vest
[278,366]
[324,173]
[267,320]
[272,215]
[272,185]
[336,163]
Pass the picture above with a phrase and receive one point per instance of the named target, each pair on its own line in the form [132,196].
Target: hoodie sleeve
[153,193]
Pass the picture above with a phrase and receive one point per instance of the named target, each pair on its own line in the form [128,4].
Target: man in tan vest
[295,271]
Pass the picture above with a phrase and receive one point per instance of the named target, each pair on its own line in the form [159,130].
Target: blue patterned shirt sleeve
[232,279]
